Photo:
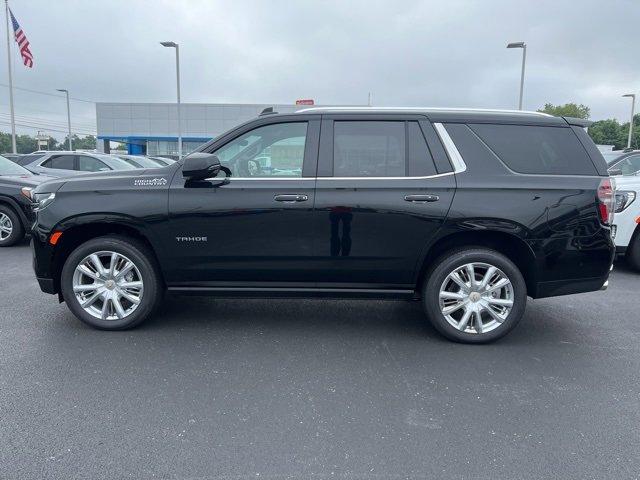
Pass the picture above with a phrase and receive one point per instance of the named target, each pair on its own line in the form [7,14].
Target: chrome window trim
[438,175]
[456,159]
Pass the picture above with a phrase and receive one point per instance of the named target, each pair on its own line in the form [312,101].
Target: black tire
[452,260]
[633,251]
[145,262]
[17,230]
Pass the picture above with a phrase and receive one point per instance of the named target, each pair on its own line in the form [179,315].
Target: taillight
[606,200]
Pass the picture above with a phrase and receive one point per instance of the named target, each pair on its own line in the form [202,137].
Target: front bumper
[47,285]
[43,264]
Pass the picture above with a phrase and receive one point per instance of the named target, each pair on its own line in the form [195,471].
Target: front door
[382,193]
[258,226]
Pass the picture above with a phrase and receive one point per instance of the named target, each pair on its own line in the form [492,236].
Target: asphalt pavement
[278,389]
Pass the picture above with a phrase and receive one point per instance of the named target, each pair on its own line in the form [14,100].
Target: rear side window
[536,149]
[369,149]
[61,162]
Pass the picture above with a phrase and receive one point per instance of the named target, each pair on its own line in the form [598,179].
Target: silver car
[64,164]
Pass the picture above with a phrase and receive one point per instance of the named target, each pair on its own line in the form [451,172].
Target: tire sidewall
[17,232]
[139,256]
[445,265]
[633,253]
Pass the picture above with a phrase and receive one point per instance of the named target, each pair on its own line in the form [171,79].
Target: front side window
[275,150]
[90,164]
[368,149]
[60,162]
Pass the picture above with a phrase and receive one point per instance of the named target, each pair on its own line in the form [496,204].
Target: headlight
[26,191]
[42,200]
[624,199]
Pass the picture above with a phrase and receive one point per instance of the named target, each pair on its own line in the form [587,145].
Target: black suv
[16,213]
[469,211]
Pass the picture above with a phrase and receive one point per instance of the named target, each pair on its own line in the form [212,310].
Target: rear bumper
[569,287]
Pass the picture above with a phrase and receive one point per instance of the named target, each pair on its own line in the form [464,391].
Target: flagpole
[13,118]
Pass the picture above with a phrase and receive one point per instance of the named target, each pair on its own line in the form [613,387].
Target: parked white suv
[626,228]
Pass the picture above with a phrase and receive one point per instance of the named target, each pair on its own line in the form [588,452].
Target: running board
[305,292]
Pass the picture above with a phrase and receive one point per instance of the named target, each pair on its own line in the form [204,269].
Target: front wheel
[11,230]
[474,295]
[111,283]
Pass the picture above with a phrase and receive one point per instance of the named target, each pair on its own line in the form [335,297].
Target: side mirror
[615,172]
[199,166]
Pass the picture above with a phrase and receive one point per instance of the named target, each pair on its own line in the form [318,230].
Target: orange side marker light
[55,236]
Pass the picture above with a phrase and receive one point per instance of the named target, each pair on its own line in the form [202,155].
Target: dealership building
[152,128]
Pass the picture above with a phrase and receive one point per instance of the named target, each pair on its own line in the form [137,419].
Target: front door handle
[291,197]
[421,198]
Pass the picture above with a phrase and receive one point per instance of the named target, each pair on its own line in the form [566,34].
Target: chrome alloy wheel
[108,285]
[6,227]
[476,298]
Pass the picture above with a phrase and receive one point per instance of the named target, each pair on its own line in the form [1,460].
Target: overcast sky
[407,53]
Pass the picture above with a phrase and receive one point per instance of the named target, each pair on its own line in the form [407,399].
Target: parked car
[14,157]
[163,160]
[469,211]
[626,228]
[138,161]
[64,164]
[623,163]
[16,214]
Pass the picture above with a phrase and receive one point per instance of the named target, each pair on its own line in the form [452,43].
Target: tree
[24,143]
[611,132]
[567,110]
[28,144]
[84,143]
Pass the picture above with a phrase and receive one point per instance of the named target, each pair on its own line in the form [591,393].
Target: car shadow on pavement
[375,319]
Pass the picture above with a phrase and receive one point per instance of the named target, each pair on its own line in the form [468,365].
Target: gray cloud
[444,53]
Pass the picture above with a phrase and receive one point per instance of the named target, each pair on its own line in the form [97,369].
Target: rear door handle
[290,197]
[421,198]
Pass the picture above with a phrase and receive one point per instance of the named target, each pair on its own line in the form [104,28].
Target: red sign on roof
[305,101]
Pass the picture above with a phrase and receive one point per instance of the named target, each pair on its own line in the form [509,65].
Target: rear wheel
[474,295]
[111,283]
[11,230]
[633,251]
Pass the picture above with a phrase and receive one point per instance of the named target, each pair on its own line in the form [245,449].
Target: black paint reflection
[340,245]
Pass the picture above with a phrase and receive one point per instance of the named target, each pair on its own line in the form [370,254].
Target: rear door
[384,188]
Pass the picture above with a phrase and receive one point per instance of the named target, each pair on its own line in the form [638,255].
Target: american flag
[23,43]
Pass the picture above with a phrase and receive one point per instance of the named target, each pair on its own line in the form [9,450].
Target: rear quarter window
[537,149]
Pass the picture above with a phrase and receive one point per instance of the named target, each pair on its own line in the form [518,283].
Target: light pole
[68,115]
[177,47]
[633,106]
[523,46]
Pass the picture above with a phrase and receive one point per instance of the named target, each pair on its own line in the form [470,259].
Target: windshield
[27,159]
[612,156]
[142,162]
[114,162]
[7,167]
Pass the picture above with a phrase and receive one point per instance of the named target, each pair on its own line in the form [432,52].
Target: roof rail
[432,109]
